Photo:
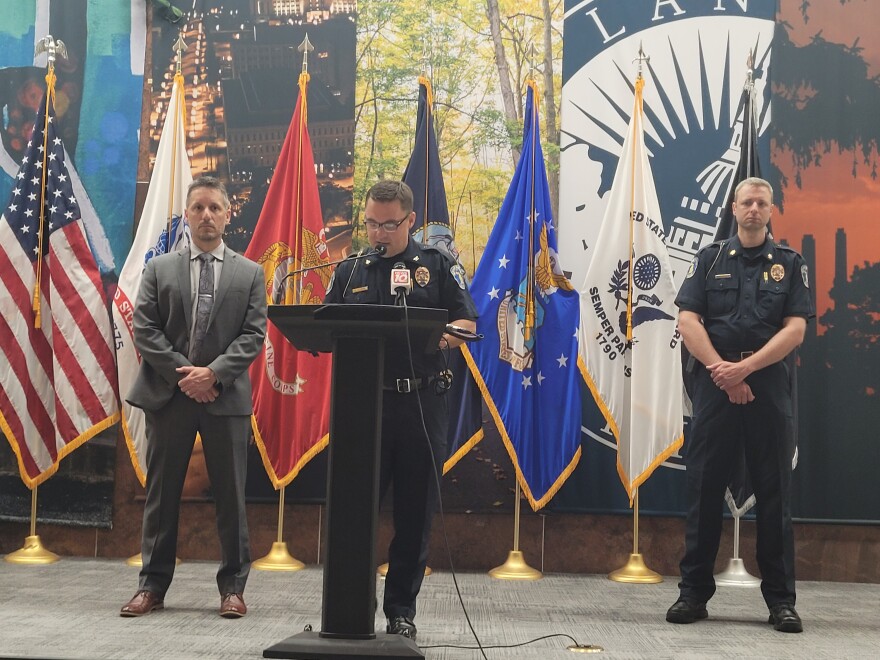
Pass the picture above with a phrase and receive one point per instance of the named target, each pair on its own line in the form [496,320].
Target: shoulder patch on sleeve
[458,275]
[804,276]
[693,267]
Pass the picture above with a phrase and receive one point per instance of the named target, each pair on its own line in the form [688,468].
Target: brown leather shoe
[142,603]
[232,606]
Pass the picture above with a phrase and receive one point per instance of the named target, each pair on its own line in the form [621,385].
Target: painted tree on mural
[825,103]
[813,83]
[478,111]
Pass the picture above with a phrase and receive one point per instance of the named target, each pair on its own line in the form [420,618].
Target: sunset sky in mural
[830,197]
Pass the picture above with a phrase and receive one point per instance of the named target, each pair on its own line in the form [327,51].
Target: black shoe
[785,619]
[400,625]
[684,611]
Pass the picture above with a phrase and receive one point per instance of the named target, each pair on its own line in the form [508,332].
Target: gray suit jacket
[162,322]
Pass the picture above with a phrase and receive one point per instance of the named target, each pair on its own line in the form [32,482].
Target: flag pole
[635,571]
[178,110]
[32,553]
[279,559]
[736,574]
[515,568]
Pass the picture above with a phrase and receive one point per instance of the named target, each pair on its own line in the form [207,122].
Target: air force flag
[526,366]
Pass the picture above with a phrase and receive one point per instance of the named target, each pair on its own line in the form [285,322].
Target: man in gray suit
[199,322]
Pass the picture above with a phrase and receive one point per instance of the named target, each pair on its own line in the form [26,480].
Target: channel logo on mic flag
[400,277]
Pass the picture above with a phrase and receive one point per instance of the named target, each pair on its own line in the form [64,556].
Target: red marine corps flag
[291,388]
[57,366]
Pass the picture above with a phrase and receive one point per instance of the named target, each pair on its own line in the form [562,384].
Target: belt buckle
[744,354]
[404,385]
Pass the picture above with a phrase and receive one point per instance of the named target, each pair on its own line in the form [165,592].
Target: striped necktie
[203,307]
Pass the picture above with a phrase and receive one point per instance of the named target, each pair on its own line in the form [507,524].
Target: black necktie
[203,306]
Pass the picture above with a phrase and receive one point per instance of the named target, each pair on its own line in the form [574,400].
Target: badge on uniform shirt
[457,273]
[692,268]
[804,275]
[423,276]
[777,272]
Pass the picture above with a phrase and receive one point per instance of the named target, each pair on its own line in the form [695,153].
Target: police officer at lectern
[744,307]
[430,279]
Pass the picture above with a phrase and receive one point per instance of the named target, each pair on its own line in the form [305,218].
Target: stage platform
[70,610]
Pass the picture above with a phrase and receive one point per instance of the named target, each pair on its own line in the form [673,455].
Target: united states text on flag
[57,368]
[630,344]
[161,229]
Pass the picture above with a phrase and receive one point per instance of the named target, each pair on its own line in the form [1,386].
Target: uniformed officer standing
[744,307]
[406,452]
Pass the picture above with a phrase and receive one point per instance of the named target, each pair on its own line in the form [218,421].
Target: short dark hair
[208,182]
[755,181]
[389,190]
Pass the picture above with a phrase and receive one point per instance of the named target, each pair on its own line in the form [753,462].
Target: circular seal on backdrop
[422,276]
[777,272]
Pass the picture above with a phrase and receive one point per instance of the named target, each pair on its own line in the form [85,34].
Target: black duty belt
[406,385]
[736,356]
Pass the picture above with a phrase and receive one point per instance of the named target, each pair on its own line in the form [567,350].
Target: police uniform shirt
[438,282]
[743,295]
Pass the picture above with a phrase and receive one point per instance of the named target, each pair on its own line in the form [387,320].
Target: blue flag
[424,175]
[527,365]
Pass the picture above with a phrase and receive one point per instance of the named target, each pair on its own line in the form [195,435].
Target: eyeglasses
[389,226]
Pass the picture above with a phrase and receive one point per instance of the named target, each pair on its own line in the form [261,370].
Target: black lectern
[358,336]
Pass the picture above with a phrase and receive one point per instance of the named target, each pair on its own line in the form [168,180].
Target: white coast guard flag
[166,200]
[630,344]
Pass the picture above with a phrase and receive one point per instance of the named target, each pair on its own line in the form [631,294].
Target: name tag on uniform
[722,276]
[360,289]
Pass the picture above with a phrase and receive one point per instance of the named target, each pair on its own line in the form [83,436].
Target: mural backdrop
[98,105]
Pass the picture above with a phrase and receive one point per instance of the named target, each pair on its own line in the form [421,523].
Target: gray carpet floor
[70,610]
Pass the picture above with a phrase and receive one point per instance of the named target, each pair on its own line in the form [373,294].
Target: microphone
[401,280]
[378,250]
[462,333]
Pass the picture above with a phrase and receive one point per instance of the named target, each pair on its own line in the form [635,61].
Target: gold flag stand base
[736,575]
[383,570]
[585,648]
[278,559]
[32,553]
[137,561]
[635,571]
[515,568]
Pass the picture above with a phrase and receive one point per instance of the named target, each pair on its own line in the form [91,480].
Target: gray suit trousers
[171,433]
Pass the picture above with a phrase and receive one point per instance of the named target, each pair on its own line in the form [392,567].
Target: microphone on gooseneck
[401,281]
[378,250]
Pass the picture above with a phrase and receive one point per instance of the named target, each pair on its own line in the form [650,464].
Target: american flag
[57,368]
